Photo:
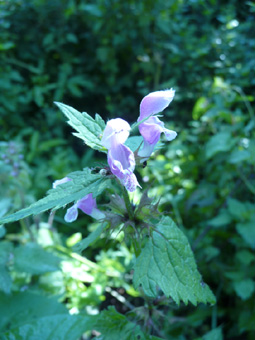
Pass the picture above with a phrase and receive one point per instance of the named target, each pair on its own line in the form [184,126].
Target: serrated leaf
[22,307]
[82,245]
[167,262]
[88,129]
[57,327]
[115,326]
[83,183]
[33,259]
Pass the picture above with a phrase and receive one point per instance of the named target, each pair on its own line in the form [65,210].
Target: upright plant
[164,264]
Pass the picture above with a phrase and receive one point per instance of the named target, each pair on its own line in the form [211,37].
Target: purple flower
[120,158]
[60,181]
[152,128]
[87,204]
[116,132]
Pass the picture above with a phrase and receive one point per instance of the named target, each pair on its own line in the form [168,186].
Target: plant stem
[130,210]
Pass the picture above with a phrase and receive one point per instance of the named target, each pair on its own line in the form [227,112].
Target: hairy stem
[130,210]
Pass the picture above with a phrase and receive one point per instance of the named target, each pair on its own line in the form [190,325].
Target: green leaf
[82,245]
[245,257]
[5,280]
[214,334]
[83,183]
[57,327]
[221,142]
[239,210]
[5,204]
[33,259]
[238,156]
[134,142]
[22,307]
[247,231]
[6,248]
[115,326]
[88,129]
[222,219]
[245,288]
[167,262]
[2,231]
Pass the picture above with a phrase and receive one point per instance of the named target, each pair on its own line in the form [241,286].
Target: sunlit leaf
[83,183]
[88,129]
[167,263]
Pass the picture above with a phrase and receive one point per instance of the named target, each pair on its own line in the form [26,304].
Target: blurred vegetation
[104,56]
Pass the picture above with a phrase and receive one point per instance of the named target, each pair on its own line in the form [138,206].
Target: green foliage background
[104,56]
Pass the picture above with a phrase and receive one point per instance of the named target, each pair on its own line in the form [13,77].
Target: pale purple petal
[97,214]
[146,151]
[170,134]
[71,214]
[151,130]
[116,131]
[121,161]
[60,181]
[155,102]
[130,182]
[122,164]
[87,204]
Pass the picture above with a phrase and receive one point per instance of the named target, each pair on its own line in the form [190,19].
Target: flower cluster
[120,158]
[152,127]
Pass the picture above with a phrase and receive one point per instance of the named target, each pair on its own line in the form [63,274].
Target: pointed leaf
[88,129]
[167,262]
[83,183]
[82,245]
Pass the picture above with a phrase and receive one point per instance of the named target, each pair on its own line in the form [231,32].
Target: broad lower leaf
[82,245]
[33,259]
[83,183]
[167,262]
[88,129]
[54,327]
[22,307]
